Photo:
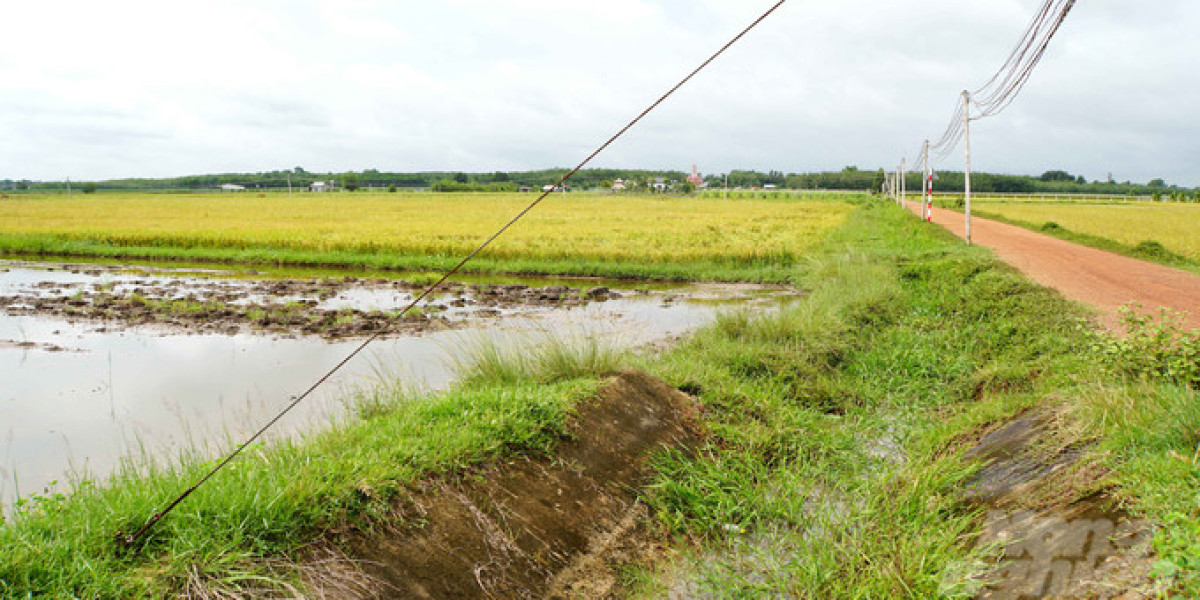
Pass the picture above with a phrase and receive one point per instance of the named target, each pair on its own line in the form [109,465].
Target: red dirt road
[1101,279]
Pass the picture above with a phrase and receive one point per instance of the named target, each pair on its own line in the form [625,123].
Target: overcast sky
[97,90]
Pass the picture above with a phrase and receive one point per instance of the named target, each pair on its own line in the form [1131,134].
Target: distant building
[232,187]
[619,185]
[695,178]
[525,189]
[660,184]
[320,186]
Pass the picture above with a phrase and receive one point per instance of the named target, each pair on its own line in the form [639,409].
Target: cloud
[140,88]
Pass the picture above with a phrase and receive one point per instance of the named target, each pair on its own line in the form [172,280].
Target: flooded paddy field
[100,362]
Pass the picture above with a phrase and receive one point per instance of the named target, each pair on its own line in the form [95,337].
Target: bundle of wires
[1006,84]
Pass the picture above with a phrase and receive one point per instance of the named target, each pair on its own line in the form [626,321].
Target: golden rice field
[1175,226]
[636,229]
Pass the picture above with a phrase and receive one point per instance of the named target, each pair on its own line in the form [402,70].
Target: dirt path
[1098,278]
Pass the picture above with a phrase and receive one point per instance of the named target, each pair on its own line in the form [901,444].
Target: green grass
[834,470]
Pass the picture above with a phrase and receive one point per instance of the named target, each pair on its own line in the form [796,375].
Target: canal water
[76,397]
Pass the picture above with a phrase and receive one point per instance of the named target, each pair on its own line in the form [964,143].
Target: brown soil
[1098,278]
[281,306]
[556,527]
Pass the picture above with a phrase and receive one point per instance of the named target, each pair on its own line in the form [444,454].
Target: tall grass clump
[546,356]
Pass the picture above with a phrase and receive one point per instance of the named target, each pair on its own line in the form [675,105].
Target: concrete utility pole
[967,170]
[289,177]
[926,188]
[903,183]
[68,188]
[727,186]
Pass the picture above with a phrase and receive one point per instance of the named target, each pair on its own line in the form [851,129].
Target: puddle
[80,394]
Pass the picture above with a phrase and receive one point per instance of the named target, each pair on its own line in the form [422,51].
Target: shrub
[1154,347]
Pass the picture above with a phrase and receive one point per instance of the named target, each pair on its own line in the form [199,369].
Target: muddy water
[77,396]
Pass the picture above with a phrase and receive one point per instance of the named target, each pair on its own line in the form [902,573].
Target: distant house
[695,178]
[660,184]
[232,187]
[320,186]
[525,189]
[619,185]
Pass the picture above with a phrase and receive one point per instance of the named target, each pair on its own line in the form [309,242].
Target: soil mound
[537,527]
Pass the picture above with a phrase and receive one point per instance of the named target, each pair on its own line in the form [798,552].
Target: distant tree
[22,185]
[500,177]
[1057,176]
[850,169]
[299,170]
[460,177]
[392,188]
[1157,183]
[1081,181]
[350,181]
[89,188]
[686,187]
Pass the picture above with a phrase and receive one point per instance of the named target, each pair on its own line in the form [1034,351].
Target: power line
[130,539]
[1006,84]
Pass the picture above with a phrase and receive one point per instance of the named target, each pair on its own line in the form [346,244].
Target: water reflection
[78,397]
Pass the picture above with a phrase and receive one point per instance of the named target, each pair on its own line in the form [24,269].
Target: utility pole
[967,170]
[289,177]
[727,186]
[68,188]
[926,184]
[896,189]
[903,183]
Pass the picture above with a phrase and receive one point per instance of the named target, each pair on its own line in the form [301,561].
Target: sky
[130,88]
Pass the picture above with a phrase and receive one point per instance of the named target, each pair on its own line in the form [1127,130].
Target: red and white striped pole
[929,199]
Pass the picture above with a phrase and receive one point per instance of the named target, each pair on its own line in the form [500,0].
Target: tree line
[848,179]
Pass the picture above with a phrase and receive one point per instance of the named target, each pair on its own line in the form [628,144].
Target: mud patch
[331,307]
[1052,545]
[552,527]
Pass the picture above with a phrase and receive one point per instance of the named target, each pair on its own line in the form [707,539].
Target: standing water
[80,394]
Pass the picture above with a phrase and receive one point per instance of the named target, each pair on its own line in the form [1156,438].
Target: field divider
[128,540]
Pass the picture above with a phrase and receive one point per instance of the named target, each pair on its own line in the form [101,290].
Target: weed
[1153,347]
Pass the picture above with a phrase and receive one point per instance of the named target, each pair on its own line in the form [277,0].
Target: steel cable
[130,539]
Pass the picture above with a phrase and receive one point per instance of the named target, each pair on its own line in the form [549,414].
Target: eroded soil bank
[544,527]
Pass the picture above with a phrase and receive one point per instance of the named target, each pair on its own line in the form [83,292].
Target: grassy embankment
[245,532]
[659,237]
[834,464]
[1164,233]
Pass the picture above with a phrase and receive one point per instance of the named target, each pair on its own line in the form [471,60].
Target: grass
[834,467]
[246,530]
[1159,232]
[838,425]
[618,236]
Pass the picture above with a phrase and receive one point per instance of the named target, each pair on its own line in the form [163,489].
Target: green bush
[1154,347]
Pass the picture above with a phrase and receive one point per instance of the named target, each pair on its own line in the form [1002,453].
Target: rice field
[1175,226]
[620,229]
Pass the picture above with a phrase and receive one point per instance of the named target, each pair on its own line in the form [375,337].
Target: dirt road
[1098,278]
